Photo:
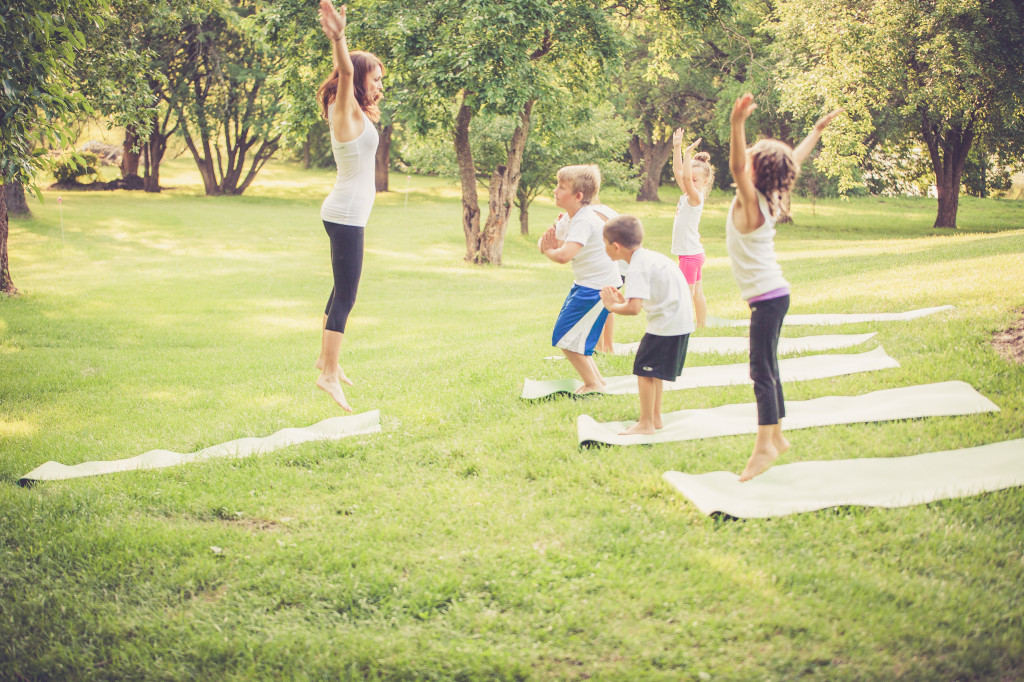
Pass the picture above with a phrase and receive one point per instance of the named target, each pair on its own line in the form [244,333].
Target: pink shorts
[691,265]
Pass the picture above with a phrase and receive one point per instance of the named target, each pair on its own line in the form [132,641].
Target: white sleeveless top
[351,200]
[754,264]
[685,228]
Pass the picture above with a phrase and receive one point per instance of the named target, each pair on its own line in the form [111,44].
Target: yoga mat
[868,482]
[945,399]
[835,318]
[741,344]
[790,369]
[329,429]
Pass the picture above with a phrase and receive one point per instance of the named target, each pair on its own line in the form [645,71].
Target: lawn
[471,538]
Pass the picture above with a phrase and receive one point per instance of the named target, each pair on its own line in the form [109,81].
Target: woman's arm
[346,119]
[746,214]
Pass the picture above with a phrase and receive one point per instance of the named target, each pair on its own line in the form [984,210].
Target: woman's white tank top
[351,200]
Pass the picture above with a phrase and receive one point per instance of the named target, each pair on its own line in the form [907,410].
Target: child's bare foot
[759,462]
[319,364]
[331,385]
[590,388]
[658,423]
[638,429]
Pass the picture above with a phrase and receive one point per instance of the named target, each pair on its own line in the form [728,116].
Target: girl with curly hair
[762,174]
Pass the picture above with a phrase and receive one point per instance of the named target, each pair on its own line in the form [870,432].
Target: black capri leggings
[347,264]
[765,328]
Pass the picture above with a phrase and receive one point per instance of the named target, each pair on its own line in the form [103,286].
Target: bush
[74,166]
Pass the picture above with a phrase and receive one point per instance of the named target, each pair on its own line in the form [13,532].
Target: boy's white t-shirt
[654,278]
[591,266]
[686,228]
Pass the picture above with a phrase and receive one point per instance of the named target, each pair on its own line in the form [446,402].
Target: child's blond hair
[584,178]
[702,162]
[775,170]
[625,230]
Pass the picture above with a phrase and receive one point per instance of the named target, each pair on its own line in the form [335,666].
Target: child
[695,178]
[762,175]
[577,238]
[657,286]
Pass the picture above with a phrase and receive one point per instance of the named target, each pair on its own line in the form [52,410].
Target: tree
[948,72]
[229,108]
[462,58]
[41,40]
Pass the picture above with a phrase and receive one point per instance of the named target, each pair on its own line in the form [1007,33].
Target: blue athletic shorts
[580,321]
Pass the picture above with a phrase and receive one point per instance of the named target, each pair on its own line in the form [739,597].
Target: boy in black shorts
[657,286]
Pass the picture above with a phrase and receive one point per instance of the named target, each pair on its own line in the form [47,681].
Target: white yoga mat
[869,482]
[945,399]
[790,369]
[329,429]
[835,318]
[741,344]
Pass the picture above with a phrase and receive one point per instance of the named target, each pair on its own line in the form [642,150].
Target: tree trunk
[785,209]
[650,156]
[156,145]
[467,174]
[129,157]
[524,213]
[14,193]
[6,285]
[948,149]
[383,163]
[503,189]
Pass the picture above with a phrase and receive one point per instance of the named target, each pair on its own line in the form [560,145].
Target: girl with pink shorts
[695,177]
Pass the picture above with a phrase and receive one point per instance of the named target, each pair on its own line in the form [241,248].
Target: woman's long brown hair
[363,63]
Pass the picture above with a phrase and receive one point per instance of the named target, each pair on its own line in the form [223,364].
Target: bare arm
[693,195]
[803,150]
[615,302]
[346,119]
[746,213]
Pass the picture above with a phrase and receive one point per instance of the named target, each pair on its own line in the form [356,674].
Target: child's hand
[611,296]
[825,120]
[677,138]
[742,109]
[548,241]
[689,150]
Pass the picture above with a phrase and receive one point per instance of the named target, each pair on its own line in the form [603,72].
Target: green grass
[471,538]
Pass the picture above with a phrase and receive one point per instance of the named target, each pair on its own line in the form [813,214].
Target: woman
[348,100]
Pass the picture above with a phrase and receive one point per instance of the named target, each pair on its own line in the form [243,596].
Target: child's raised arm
[746,214]
[682,167]
[803,150]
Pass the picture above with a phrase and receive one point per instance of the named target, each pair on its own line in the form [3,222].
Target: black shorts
[661,357]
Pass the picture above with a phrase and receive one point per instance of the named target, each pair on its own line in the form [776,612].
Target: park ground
[471,538]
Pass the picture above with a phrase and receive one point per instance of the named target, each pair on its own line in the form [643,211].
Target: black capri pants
[347,266]
[765,329]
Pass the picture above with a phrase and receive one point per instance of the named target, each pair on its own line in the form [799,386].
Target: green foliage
[471,539]
[946,72]
[38,98]
[72,167]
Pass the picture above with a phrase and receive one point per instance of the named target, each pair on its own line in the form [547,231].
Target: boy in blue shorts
[657,286]
[578,238]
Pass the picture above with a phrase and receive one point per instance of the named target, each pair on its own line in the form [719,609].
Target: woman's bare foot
[331,385]
[638,429]
[658,424]
[590,388]
[319,364]
[759,462]
[780,442]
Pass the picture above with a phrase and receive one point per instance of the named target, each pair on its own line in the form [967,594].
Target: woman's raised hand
[332,21]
